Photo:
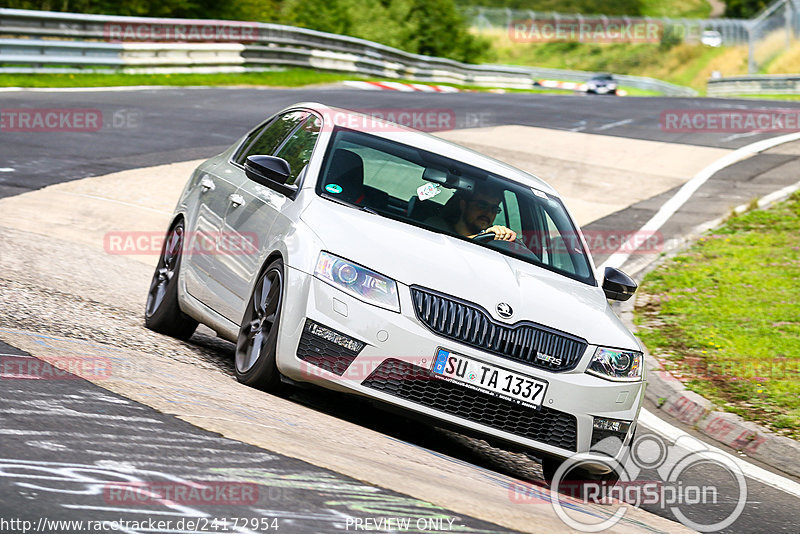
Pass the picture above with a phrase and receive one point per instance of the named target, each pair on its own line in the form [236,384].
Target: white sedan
[358,255]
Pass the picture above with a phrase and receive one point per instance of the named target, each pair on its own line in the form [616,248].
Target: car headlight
[358,281]
[615,364]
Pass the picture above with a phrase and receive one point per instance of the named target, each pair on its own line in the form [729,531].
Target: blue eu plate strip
[441,360]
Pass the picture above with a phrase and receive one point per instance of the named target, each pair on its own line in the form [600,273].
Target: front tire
[258,336]
[162,313]
[576,474]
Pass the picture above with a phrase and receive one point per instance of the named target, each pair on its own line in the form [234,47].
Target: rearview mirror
[618,285]
[272,172]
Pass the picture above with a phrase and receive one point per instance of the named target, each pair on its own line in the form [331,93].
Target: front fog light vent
[612,425]
[333,336]
[608,435]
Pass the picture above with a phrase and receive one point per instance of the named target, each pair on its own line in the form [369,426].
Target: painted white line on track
[7,169]
[652,422]
[741,135]
[670,207]
[579,128]
[613,125]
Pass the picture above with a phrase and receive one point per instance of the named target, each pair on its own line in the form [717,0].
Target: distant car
[352,283]
[711,38]
[602,84]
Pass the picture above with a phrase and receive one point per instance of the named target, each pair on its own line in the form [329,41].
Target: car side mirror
[272,172]
[267,167]
[618,285]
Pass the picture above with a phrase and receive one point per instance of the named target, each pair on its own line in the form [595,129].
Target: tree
[744,9]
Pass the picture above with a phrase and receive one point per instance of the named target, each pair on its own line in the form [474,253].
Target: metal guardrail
[755,85]
[732,31]
[35,40]
[762,33]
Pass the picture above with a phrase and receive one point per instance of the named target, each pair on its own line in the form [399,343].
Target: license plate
[486,377]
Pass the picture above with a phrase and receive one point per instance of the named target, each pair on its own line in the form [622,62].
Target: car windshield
[433,192]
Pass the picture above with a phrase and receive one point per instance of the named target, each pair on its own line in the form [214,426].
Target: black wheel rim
[166,269]
[259,325]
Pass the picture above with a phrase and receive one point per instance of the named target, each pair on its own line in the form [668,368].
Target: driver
[473,214]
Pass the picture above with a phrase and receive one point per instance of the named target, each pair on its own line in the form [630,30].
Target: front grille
[525,342]
[421,386]
[323,353]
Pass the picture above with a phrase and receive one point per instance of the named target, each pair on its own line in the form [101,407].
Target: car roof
[422,140]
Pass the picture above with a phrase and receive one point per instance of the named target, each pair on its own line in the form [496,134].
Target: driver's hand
[502,233]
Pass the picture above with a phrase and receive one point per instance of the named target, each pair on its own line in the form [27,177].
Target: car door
[235,255]
[252,220]
[213,189]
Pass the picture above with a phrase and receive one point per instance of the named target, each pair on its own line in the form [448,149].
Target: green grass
[769,97]
[652,8]
[725,315]
[682,64]
[283,78]
[676,8]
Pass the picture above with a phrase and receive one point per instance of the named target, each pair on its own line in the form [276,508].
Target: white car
[348,252]
[601,84]
[711,38]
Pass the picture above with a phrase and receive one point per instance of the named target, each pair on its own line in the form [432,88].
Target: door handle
[207,184]
[236,200]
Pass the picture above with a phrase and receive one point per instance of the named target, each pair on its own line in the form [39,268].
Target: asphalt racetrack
[172,414]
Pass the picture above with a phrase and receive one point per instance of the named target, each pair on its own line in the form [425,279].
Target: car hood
[414,256]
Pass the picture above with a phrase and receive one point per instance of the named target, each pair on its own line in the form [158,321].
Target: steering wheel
[512,246]
[484,237]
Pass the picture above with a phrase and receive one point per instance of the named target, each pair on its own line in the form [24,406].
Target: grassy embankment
[724,316]
[683,64]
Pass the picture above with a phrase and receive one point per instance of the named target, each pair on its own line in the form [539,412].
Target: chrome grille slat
[470,324]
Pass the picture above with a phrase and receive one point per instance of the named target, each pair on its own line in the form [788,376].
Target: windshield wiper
[349,204]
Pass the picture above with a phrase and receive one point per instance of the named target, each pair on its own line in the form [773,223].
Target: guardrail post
[751,45]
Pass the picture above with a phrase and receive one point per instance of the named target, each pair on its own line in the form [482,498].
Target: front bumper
[393,368]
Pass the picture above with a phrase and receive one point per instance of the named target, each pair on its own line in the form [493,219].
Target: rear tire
[162,312]
[256,345]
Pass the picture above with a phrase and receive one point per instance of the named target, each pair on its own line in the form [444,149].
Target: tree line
[429,27]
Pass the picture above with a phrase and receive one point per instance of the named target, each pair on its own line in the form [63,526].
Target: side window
[272,135]
[564,246]
[297,149]
[512,217]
